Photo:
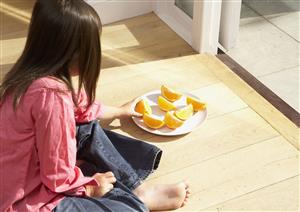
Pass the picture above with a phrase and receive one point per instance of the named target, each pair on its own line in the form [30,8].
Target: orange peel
[143,107]
[170,94]
[197,105]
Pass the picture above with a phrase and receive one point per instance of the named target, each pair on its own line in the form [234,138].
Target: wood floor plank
[282,196]
[237,173]
[189,65]
[163,42]
[15,28]
[124,42]
[13,49]
[135,80]
[214,139]
[219,99]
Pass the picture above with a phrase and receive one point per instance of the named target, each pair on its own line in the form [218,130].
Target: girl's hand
[105,181]
[112,112]
[127,110]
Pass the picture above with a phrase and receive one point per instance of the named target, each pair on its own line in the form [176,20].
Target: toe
[188,191]
[187,184]
[184,203]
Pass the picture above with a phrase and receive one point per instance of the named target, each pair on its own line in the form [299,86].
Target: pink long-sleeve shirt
[38,147]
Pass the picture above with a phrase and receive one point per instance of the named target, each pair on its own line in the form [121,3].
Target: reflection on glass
[186,6]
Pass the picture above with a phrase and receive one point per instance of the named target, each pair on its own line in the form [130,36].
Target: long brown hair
[59,31]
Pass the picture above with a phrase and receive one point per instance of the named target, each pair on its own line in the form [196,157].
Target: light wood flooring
[126,42]
[235,161]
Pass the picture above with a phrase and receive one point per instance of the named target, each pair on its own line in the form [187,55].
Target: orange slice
[171,121]
[143,107]
[165,105]
[196,103]
[185,112]
[152,122]
[170,94]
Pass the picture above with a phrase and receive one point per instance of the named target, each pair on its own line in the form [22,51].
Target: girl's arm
[112,112]
[100,111]
[55,133]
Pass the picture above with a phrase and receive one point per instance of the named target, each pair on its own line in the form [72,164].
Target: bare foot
[164,197]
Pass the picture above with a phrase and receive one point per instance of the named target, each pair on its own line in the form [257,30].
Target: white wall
[115,10]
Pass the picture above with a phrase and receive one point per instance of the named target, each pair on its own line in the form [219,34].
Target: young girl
[54,156]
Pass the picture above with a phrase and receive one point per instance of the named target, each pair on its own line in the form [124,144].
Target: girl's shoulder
[49,83]
[45,88]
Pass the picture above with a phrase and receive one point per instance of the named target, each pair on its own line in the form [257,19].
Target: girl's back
[18,142]
[37,111]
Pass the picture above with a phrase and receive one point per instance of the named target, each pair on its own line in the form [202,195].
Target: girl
[46,122]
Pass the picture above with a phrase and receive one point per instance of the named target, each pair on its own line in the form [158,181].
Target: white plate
[189,125]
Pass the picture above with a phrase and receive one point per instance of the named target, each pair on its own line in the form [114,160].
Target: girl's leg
[105,151]
[116,200]
[143,157]
[100,155]
[163,197]
[156,197]
[129,159]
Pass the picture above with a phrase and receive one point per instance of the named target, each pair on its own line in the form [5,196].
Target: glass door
[186,6]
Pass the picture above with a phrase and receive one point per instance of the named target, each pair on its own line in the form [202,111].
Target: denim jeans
[129,159]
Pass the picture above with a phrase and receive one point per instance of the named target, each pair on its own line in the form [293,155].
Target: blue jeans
[129,159]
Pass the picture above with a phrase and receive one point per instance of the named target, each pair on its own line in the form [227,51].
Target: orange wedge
[170,94]
[152,122]
[185,113]
[171,121]
[196,103]
[143,107]
[165,105]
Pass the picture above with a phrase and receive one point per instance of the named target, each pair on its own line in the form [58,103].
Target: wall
[115,10]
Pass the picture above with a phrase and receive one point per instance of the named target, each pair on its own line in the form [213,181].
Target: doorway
[268,46]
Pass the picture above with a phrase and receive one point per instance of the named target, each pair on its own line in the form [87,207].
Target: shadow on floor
[15,18]
[154,40]
[127,126]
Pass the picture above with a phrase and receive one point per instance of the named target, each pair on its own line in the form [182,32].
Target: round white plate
[189,125]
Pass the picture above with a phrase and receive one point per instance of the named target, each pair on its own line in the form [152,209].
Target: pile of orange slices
[174,117]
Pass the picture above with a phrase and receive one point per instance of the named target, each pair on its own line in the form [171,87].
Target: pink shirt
[38,147]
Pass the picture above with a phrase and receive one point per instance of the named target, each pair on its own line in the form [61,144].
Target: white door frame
[206,25]
[180,22]
[201,32]
[230,23]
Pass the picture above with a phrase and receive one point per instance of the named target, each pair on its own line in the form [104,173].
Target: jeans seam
[146,174]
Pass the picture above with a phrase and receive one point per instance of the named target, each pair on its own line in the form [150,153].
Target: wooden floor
[235,161]
[125,42]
